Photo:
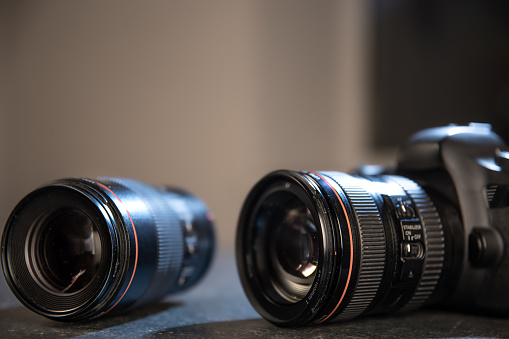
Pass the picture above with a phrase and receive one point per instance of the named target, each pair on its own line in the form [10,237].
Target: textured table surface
[217,308]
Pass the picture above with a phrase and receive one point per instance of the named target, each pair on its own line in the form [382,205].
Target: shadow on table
[422,324]
[171,320]
[19,322]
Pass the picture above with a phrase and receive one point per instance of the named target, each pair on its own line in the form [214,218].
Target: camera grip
[494,295]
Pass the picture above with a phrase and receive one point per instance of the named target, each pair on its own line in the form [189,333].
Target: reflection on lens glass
[295,243]
[69,250]
[291,245]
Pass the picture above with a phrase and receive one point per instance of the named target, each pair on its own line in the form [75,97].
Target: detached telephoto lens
[315,247]
[77,249]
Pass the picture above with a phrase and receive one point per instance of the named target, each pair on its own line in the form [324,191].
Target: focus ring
[434,236]
[372,247]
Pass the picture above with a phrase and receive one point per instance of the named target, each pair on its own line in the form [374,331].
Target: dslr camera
[315,247]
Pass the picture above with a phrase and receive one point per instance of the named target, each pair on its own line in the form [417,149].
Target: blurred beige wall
[206,95]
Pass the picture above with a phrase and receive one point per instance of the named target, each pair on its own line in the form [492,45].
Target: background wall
[206,95]
[437,62]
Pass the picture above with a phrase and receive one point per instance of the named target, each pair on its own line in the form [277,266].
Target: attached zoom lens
[77,249]
[314,247]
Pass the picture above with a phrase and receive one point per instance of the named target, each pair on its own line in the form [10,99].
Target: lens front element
[294,242]
[68,249]
[291,244]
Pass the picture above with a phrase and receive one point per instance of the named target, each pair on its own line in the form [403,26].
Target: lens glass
[288,245]
[294,242]
[69,250]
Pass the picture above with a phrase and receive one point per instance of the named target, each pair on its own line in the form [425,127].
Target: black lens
[320,246]
[77,249]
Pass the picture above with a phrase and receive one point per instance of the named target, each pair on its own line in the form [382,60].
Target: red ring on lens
[136,248]
[351,247]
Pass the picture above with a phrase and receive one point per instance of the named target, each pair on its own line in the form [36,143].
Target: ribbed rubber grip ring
[170,243]
[372,246]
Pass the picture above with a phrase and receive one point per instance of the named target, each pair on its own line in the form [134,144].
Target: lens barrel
[314,247]
[76,249]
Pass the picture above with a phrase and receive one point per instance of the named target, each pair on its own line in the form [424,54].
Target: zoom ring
[170,247]
[434,235]
[372,248]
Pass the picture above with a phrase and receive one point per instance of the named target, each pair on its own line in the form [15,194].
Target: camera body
[469,167]
[318,246]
